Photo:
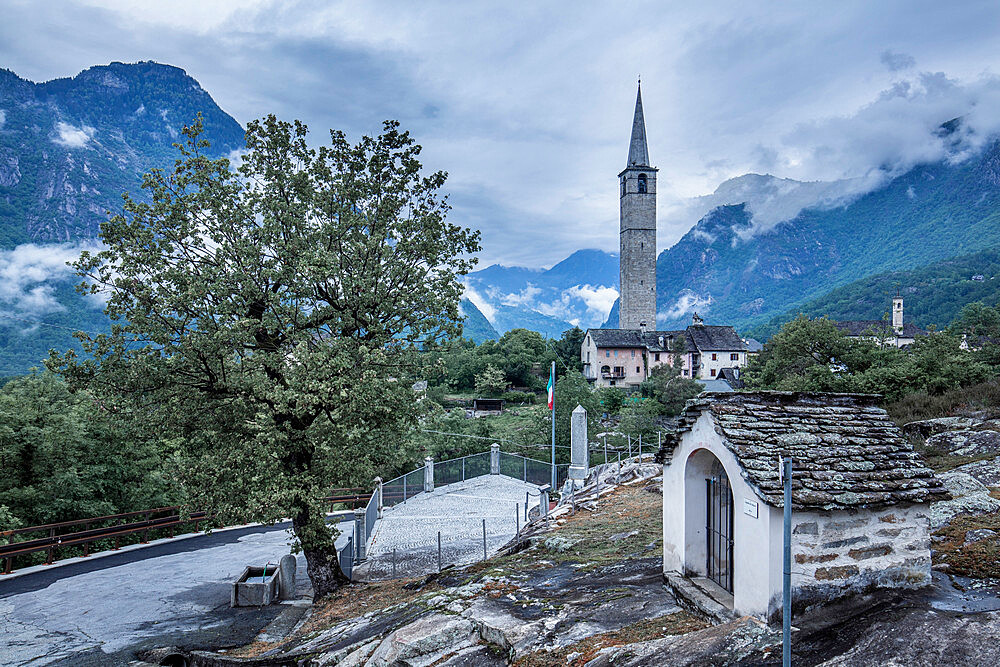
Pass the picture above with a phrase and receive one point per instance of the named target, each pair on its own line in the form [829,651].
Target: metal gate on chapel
[719,527]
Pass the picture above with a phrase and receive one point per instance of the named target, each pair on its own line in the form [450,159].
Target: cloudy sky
[528,105]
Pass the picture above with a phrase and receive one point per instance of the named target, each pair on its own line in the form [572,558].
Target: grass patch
[678,623]
[977,559]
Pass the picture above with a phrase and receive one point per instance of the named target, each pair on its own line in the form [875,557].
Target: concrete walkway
[457,511]
[100,611]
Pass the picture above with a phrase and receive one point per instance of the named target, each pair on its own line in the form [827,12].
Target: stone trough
[256,587]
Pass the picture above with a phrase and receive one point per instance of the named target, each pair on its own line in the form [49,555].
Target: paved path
[100,611]
[457,511]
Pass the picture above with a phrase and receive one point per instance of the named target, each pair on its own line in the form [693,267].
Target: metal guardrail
[56,537]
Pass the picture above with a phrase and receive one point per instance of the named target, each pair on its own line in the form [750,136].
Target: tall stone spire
[637,279]
[638,156]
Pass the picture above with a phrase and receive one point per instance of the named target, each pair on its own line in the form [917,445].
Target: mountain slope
[933,295]
[476,327]
[70,147]
[727,271]
[579,290]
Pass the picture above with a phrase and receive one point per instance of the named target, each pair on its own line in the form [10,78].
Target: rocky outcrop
[968,496]
[966,442]
[925,428]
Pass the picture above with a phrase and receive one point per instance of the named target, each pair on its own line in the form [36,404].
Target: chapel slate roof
[846,451]
[866,327]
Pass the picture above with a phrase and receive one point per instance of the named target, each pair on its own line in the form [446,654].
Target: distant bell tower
[637,261]
[897,314]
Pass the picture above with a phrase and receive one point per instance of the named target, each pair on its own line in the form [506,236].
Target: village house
[859,499]
[626,357]
[898,333]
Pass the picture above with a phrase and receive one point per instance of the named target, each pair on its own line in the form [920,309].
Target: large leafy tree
[266,317]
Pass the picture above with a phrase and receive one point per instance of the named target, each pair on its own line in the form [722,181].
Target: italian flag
[552,389]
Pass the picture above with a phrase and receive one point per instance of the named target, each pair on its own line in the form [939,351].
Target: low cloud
[29,273]
[525,297]
[896,62]
[3,118]
[599,300]
[488,311]
[72,136]
[687,302]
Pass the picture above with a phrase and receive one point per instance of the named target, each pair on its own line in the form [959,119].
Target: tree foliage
[491,381]
[814,355]
[267,317]
[670,389]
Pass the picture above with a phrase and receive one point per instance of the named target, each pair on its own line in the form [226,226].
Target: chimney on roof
[696,320]
[897,314]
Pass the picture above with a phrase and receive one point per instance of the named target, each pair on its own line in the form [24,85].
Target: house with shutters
[860,497]
[625,357]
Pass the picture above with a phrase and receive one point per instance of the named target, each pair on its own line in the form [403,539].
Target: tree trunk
[322,562]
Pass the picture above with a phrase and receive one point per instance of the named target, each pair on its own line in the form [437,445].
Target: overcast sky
[528,105]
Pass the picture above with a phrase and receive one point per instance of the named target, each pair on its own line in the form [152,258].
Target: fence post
[525,506]
[640,449]
[605,450]
[524,476]
[543,501]
[495,459]
[439,551]
[360,539]
[517,520]
[484,539]
[378,490]
[394,562]
[404,488]
[428,475]
[463,468]
[629,446]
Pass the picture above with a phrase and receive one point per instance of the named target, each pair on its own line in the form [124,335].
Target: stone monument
[580,453]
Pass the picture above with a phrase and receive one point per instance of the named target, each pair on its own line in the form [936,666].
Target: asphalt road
[103,611]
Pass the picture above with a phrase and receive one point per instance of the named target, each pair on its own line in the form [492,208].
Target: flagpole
[553,381]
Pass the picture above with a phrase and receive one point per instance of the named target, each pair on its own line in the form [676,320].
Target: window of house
[713,372]
[642,182]
[685,372]
[636,369]
[735,356]
[612,383]
[715,357]
[607,353]
[633,354]
[623,187]
[656,357]
[616,353]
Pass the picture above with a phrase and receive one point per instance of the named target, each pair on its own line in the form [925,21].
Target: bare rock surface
[969,496]
[743,641]
[925,428]
[985,472]
[967,442]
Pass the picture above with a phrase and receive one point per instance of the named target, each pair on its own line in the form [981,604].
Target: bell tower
[637,261]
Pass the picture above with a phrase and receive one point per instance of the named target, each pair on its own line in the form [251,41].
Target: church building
[625,357]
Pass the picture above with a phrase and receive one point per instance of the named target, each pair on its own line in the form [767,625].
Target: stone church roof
[708,338]
[638,154]
[697,338]
[880,327]
[846,451]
